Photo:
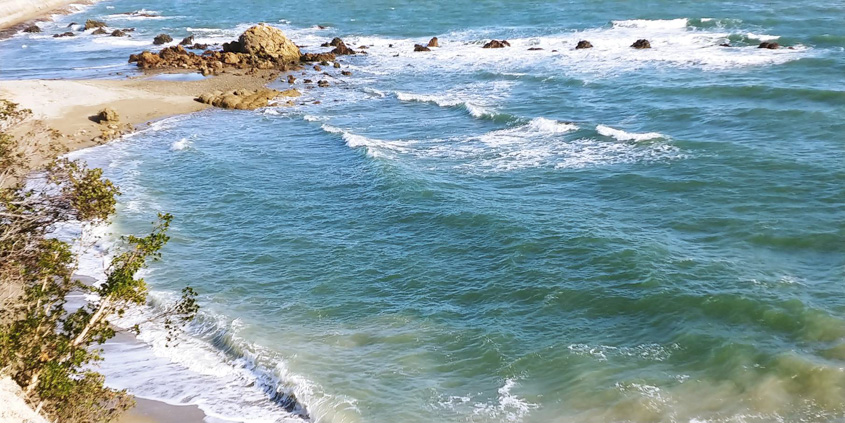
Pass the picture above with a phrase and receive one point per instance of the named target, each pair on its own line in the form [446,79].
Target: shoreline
[15,14]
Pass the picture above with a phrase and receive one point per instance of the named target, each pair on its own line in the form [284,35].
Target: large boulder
[434,42]
[497,44]
[91,24]
[162,39]
[583,44]
[641,44]
[107,116]
[266,42]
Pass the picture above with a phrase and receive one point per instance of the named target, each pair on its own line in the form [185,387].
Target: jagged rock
[497,44]
[433,42]
[768,45]
[265,42]
[91,24]
[108,116]
[187,41]
[346,73]
[641,44]
[336,65]
[162,39]
[32,29]
[244,99]
[322,83]
[420,47]
[99,31]
[291,79]
[118,33]
[340,47]
[317,57]
[535,49]
[583,44]
[64,34]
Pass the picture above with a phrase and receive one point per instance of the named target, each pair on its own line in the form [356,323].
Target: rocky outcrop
[64,34]
[210,62]
[91,24]
[317,57]
[583,44]
[244,99]
[434,42]
[162,39]
[497,44]
[265,42]
[100,31]
[420,47]
[340,47]
[641,44]
[32,29]
[768,45]
[187,41]
[108,116]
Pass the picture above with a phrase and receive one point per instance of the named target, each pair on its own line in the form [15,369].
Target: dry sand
[14,13]
[64,111]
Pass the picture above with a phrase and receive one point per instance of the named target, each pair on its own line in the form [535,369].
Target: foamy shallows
[626,136]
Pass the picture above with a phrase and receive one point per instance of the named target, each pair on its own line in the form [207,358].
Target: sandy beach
[17,12]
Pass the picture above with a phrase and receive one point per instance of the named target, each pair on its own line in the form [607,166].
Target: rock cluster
[244,99]
[162,39]
[265,42]
[340,47]
[641,44]
[583,44]
[497,44]
[768,45]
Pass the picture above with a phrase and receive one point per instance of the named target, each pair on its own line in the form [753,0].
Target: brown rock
[32,29]
[420,47]
[162,39]
[433,42]
[340,47]
[497,44]
[291,79]
[346,73]
[317,57]
[108,116]
[641,44]
[265,42]
[64,34]
[317,68]
[322,83]
[198,47]
[768,45]
[583,44]
[187,41]
[231,58]
[99,31]
[118,33]
[91,24]
[244,99]
[336,65]
[535,49]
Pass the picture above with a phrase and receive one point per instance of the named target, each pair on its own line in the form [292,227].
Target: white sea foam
[621,135]
[477,99]
[504,407]
[374,147]
[182,144]
[680,23]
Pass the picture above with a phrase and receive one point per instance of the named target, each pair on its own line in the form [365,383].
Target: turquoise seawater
[473,235]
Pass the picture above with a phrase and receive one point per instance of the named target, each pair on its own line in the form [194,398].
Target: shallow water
[475,235]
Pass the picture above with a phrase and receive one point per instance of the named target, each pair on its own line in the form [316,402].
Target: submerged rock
[118,33]
[64,34]
[434,42]
[244,99]
[497,44]
[641,44]
[583,44]
[322,83]
[32,29]
[535,49]
[768,45]
[99,31]
[162,39]
[91,24]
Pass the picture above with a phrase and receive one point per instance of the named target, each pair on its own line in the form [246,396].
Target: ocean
[480,235]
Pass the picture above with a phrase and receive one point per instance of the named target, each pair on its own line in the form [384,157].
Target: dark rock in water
[434,42]
[187,41]
[768,45]
[535,49]
[99,31]
[118,33]
[307,81]
[420,47]
[128,30]
[199,47]
[91,24]
[724,45]
[340,47]
[64,34]
[322,83]
[291,79]
[346,73]
[317,57]
[583,44]
[162,39]
[32,29]
[390,45]
[317,68]
[497,44]
[70,25]
[641,44]
[336,65]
